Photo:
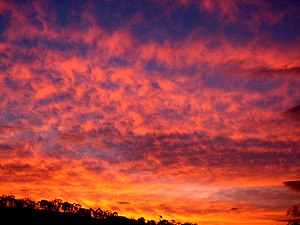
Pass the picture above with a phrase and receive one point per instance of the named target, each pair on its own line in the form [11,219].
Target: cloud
[234,209]
[293,112]
[6,147]
[293,185]
[278,71]
[123,203]
[71,138]
[94,166]
[245,68]
[13,128]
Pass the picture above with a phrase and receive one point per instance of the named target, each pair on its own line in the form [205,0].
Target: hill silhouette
[56,212]
[15,211]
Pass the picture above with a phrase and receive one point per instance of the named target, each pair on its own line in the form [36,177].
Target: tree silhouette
[75,207]
[98,213]
[141,220]
[44,205]
[8,201]
[294,211]
[57,204]
[151,222]
[293,222]
[66,207]
[85,212]
[28,203]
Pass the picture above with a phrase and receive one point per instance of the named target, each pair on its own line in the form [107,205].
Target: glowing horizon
[185,109]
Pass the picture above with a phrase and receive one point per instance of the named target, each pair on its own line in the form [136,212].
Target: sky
[185,109]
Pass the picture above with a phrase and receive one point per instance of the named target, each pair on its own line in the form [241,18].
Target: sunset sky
[181,108]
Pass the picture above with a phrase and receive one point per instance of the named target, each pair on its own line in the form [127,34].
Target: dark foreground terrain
[18,216]
[56,212]
[35,217]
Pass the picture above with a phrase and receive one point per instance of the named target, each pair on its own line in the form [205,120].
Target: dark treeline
[56,212]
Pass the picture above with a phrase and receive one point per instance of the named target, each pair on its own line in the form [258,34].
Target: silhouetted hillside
[25,211]
[56,212]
